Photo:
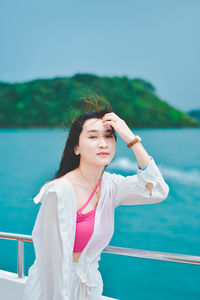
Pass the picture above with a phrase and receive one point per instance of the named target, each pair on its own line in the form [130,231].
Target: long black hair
[70,160]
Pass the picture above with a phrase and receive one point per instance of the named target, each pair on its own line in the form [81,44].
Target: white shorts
[96,291]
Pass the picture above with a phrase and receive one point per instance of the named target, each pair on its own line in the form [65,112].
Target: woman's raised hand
[119,126]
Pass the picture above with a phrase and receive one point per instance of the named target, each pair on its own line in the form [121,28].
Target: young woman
[75,221]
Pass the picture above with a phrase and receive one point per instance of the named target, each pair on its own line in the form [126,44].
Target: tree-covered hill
[52,102]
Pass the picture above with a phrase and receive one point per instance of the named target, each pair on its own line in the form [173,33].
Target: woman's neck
[91,174]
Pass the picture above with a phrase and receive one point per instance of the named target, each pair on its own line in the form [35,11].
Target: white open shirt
[49,278]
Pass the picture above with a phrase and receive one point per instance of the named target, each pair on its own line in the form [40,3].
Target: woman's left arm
[148,186]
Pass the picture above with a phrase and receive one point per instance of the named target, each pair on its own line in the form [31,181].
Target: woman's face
[96,137]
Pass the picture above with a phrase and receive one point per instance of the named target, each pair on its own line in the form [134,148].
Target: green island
[52,103]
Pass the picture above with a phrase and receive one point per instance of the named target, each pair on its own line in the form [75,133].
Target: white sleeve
[49,249]
[132,190]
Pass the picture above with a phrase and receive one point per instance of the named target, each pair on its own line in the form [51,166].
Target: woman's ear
[76,150]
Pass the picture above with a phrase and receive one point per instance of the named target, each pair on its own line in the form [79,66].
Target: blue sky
[154,40]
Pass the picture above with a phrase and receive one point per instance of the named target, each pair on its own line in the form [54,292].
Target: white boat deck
[12,287]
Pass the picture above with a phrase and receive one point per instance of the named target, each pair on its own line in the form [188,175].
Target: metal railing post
[20,258]
[20,238]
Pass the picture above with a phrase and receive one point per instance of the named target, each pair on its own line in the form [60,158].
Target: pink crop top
[84,225]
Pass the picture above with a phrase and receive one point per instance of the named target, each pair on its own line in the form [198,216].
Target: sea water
[30,157]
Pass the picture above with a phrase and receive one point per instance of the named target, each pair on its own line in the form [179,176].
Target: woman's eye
[109,136]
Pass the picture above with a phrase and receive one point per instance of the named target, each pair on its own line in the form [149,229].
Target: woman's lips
[103,154]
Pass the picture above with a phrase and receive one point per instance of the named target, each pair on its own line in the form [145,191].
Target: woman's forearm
[142,157]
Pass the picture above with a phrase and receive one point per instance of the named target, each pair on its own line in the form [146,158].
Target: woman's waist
[76,256]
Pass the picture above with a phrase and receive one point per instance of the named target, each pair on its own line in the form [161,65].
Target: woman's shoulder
[59,185]
[114,176]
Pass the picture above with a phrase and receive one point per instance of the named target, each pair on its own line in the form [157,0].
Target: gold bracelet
[136,139]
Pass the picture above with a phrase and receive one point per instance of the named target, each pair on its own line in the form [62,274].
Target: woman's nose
[102,142]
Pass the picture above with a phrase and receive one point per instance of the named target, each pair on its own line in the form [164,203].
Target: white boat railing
[180,258]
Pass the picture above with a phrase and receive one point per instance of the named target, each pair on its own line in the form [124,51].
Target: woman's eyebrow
[94,130]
